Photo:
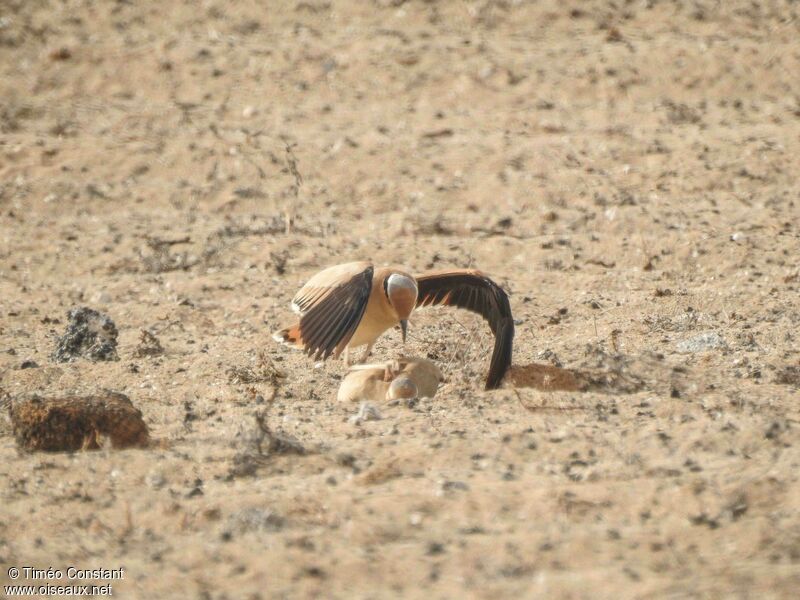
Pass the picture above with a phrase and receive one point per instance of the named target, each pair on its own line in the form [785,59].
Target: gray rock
[255,519]
[366,412]
[454,485]
[703,342]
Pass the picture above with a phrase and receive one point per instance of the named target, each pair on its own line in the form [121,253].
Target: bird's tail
[289,336]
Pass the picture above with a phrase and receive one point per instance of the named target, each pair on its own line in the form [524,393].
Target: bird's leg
[367,352]
[347,356]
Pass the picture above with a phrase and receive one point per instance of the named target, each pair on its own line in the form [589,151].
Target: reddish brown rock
[77,423]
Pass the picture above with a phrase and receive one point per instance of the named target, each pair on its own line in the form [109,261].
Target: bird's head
[401,292]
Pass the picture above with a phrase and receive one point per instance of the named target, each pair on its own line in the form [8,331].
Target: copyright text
[62,582]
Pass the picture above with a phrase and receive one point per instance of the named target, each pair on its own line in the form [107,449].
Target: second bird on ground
[351,305]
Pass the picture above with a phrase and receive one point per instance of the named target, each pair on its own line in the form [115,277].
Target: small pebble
[155,480]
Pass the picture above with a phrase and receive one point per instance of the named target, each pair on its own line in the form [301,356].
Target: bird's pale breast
[378,317]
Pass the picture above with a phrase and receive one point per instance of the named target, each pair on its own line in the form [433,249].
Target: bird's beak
[404,328]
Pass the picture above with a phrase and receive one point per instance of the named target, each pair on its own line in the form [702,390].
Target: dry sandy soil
[626,170]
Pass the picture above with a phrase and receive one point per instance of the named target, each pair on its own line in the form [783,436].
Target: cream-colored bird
[351,305]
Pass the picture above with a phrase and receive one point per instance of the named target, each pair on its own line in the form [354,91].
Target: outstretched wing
[331,306]
[474,291]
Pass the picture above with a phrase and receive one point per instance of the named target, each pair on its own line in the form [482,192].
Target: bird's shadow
[557,379]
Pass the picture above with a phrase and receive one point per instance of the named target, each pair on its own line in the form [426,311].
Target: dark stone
[90,335]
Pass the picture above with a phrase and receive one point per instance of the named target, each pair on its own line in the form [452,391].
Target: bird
[350,305]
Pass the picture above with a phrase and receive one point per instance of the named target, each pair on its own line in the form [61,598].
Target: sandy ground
[628,171]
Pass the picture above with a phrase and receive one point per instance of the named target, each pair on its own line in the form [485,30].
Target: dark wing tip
[504,338]
[501,355]
[475,291]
